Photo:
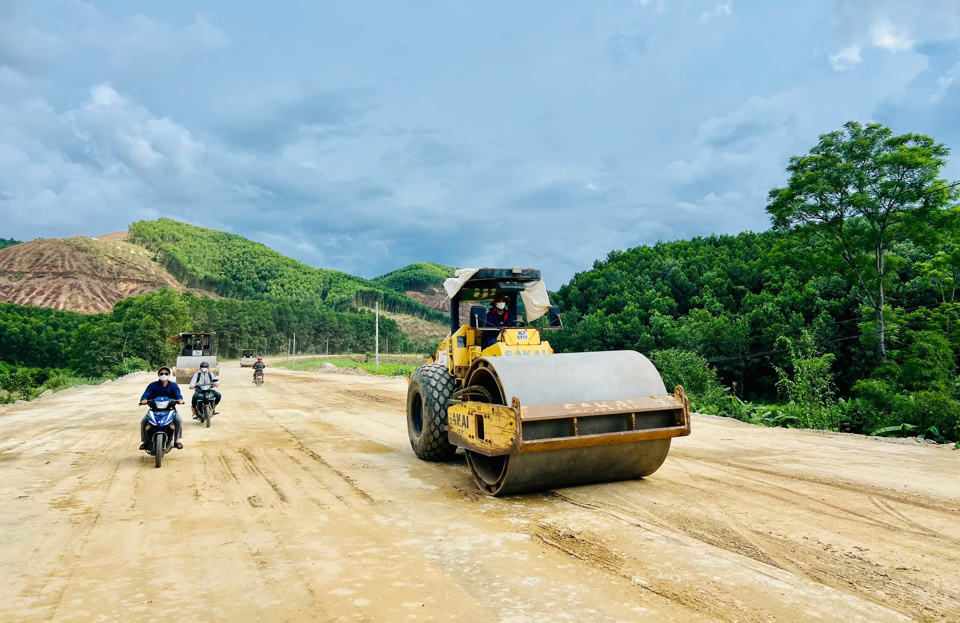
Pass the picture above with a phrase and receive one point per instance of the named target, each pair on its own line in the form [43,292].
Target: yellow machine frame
[461,349]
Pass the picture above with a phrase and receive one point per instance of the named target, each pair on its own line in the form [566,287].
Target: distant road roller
[529,419]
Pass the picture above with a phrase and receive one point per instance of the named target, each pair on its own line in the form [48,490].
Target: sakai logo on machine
[525,351]
[606,405]
[460,420]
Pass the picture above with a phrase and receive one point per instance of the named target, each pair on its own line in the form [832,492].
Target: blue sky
[366,135]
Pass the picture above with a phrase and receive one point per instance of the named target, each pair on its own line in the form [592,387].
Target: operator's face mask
[164,377]
[501,305]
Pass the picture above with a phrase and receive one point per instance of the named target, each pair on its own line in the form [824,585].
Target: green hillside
[419,276]
[8,242]
[844,317]
[767,318]
[232,266]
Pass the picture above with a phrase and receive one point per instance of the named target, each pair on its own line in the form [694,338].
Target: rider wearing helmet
[258,367]
[204,377]
[162,388]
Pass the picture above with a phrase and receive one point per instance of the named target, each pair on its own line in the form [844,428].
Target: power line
[955,184]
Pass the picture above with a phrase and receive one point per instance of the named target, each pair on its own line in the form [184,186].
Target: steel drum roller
[570,378]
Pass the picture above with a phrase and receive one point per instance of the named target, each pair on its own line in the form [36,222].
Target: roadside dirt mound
[329,368]
[86,275]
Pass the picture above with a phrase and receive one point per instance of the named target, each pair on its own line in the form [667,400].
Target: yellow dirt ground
[304,502]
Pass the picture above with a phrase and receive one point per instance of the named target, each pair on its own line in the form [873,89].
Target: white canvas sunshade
[535,298]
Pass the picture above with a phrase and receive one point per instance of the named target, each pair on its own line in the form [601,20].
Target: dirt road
[305,502]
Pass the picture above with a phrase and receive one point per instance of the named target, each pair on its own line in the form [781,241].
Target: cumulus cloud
[885,35]
[945,82]
[26,48]
[847,58]
[720,10]
[344,149]
[73,167]
[892,26]
[131,38]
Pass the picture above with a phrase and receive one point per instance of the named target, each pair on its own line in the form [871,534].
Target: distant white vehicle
[195,349]
[248,357]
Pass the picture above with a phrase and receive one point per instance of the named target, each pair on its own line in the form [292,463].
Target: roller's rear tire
[159,444]
[430,388]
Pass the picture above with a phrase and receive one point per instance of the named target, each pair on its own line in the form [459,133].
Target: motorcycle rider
[258,367]
[204,376]
[162,388]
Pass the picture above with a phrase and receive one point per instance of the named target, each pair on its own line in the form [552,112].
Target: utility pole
[376,345]
[294,366]
[328,347]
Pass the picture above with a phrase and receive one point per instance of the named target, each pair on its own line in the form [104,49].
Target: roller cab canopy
[482,284]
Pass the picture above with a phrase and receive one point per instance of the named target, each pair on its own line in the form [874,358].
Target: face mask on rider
[164,377]
[501,305]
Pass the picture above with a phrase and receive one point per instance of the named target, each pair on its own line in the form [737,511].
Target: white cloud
[130,38]
[885,35]
[658,5]
[722,9]
[205,33]
[944,82]
[74,169]
[27,48]
[847,58]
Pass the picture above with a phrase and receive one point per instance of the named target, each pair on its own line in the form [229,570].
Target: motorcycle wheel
[207,414]
[159,445]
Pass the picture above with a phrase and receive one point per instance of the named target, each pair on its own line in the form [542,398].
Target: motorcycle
[161,427]
[205,404]
[258,378]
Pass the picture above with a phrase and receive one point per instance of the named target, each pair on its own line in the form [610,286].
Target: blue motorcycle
[206,401]
[161,427]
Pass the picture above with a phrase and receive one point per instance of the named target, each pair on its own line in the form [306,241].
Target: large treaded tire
[430,388]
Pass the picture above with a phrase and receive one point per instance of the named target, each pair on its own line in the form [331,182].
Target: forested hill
[727,298]
[418,277]
[8,242]
[775,320]
[233,266]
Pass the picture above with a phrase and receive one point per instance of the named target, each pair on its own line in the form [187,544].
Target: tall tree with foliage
[862,188]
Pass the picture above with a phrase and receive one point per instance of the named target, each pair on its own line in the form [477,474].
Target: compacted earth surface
[305,502]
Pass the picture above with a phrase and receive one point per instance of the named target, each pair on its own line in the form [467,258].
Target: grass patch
[394,366]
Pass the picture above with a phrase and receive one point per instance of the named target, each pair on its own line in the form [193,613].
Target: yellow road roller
[529,419]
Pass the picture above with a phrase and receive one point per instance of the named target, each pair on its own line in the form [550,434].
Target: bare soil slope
[86,275]
[304,502]
[436,298]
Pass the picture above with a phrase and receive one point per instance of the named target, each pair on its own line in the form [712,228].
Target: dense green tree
[861,188]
